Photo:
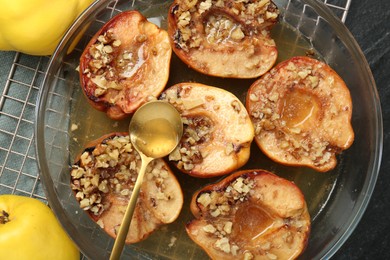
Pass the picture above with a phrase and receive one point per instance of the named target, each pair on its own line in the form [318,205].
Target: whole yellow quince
[36,26]
[30,230]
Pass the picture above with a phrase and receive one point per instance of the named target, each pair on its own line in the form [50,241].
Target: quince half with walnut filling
[103,178]
[251,214]
[217,130]
[224,38]
[125,64]
[302,112]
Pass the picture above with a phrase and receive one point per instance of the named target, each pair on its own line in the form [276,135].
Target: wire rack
[18,167]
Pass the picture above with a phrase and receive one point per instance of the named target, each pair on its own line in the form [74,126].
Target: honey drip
[251,221]
[300,110]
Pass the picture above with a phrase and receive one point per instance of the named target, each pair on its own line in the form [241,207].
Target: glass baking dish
[336,199]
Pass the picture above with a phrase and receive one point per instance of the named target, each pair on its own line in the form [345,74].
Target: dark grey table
[369,22]
[21,76]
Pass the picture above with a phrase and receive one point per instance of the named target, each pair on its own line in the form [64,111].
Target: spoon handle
[124,227]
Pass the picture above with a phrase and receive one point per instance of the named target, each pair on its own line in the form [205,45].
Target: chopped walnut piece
[209,229]
[204,199]
[248,256]
[223,244]
[228,227]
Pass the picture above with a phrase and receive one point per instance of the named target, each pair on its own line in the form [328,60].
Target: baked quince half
[217,131]
[301,112]
[103,179]
[251,214]
[224,38]
[125,64]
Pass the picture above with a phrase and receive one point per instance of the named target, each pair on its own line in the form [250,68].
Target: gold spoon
[155,130]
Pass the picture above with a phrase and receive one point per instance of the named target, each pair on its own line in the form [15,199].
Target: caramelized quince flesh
[103,178]
[217,130]
[224,38]
[251,214]
[301,111]
[125,64]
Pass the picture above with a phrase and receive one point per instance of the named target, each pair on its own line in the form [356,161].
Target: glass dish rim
[364,197]
[321,9]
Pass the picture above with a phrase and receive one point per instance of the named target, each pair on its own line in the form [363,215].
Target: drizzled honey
[155,137]
[299,109]
[251,221]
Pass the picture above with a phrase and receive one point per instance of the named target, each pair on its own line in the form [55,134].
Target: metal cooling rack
[20,79]
[21,76]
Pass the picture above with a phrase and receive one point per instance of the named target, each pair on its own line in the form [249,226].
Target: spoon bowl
[155,131]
